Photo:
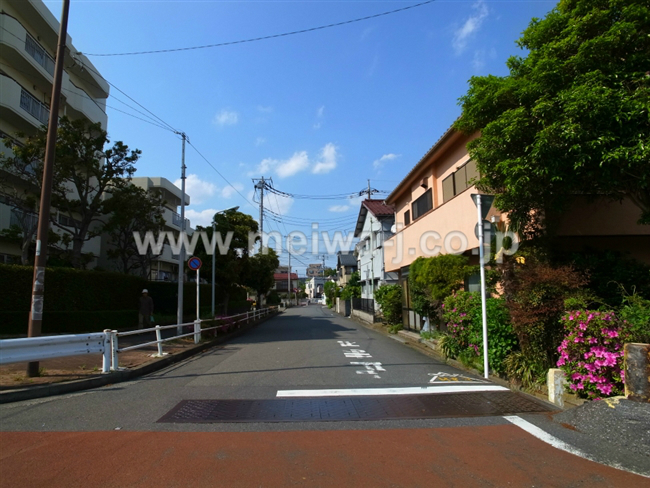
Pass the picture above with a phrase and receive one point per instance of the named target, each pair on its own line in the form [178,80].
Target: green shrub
[462,313]
[393,329]
[66,322]
[529,371]
[636,311]
[389,297]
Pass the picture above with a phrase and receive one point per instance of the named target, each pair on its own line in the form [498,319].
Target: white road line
[415,390]
[544,436]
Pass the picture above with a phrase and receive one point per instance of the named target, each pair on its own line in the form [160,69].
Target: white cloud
[197,189]
[470,27]
[328,157]
[264,110]
[480,57]
[259,141]
[339,208]
[203,218]
[226,117]
[378,163]
[229,191]
[278,204]
[320,111]
[298,163]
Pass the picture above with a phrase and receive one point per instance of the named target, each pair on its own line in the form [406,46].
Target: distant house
[315,270]
[282,282]
[346,264]
[315,287]
[374,225]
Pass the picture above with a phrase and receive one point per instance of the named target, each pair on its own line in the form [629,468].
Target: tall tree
[262,266]
[85,171]
[231,268]
[132,209]
[571,118]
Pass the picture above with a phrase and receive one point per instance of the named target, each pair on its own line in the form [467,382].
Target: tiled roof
[283,276]
[378,208]
[347,259]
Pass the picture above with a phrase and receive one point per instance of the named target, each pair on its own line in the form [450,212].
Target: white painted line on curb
[544,436]
[415,390]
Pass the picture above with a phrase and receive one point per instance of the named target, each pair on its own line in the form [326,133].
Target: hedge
[85,300]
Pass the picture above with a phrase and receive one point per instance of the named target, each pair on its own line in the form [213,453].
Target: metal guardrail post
[159,338]
[106,359]
[197,331]
[114,360]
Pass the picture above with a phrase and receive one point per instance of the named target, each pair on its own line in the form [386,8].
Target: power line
[219,173]
[263,38]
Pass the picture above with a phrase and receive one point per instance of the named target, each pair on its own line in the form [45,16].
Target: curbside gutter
[113,377]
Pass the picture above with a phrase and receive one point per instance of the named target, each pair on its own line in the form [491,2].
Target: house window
[422,205]
[407,217]
[459,181]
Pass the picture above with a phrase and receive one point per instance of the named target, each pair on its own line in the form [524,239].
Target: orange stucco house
[434,213]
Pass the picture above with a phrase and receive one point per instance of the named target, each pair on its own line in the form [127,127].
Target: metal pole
[34,325]
[214,230]
[181,256]
[482,266]
[198,295]
[289,280]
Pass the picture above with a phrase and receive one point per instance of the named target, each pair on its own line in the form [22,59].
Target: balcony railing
[36,51]
[23,220]
[33,107]
[176,220]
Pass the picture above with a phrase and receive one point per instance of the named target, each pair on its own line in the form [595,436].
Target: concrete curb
[22,394]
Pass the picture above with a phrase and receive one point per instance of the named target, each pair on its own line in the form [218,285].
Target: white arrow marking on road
[389,391]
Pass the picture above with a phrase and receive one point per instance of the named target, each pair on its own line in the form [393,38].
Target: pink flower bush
[591,353]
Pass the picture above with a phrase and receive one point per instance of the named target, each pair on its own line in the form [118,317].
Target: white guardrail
[107,342]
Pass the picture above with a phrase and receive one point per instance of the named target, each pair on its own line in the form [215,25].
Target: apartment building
[315,270]
[164,267]
[28,40]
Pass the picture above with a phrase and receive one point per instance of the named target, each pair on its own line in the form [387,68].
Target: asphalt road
[111,436]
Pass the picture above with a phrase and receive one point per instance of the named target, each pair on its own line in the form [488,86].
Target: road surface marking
[348,344]
[442,377]
[371,368]
[415,390]
[544,436]
[356,353]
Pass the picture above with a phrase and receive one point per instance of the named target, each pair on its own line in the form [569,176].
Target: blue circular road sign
[194,263]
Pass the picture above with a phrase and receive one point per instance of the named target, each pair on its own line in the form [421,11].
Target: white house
[373,228]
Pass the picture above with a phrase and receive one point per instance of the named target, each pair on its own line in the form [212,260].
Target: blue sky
[320,112]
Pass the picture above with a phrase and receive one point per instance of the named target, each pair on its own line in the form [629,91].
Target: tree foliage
[389,298]
[262,266]
[571,118]
[132,209]
[433,279]
[85,171]
[352,287]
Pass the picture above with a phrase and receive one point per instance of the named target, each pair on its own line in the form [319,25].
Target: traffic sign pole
[198,296]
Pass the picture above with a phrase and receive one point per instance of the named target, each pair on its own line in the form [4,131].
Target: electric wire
[263,38]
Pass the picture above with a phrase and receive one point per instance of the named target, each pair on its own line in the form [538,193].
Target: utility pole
[372,251]
[181,256]
[289,278]
[35,323]
[261,185]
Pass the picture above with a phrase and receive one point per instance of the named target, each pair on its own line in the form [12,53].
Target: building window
[407,217]
[422,205]
[459,181]
[68,222]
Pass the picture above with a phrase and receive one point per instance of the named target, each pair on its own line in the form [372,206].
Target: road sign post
[195,263]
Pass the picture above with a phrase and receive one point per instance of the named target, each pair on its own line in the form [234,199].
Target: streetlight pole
[40,260]
[214,231]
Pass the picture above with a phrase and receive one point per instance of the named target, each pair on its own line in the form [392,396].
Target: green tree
[132,209]
[389,298]
[571,118]
[232,267]
[329,272]
[353,287]
[261,268]
[331,291]
[433,279]
[85,172]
